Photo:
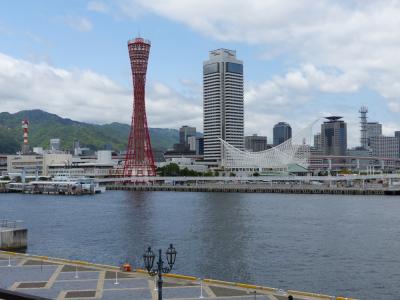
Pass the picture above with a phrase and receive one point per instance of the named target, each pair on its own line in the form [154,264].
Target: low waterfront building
[102,165]
[30,164]
[53,159]
[185,162]
[53,164]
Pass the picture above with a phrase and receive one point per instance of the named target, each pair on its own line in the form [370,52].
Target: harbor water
[331,244]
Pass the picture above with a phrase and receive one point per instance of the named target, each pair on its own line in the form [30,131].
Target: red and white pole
[25,126]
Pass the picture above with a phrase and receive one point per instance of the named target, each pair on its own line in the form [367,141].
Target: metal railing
[9,224]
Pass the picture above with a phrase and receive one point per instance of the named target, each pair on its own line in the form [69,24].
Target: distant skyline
[302,59]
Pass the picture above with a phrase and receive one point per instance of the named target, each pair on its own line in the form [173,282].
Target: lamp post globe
[171,255]
[148,258]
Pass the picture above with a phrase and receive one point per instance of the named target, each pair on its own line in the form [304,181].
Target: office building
[255,143]
[281,132]
[223,115]
[374,129]
[334,137]
[385,146]
[184,133]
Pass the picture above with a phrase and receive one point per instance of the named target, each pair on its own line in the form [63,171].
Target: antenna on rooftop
[363,124]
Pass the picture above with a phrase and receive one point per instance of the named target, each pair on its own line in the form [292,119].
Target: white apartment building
[223,115]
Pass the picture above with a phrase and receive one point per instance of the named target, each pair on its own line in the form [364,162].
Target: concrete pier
[258,188]
[12,237]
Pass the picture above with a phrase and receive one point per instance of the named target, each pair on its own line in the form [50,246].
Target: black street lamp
[149,257]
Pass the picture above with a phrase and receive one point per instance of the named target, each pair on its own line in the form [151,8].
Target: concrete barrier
[13,238]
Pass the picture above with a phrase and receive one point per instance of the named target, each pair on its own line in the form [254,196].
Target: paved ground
[60,279]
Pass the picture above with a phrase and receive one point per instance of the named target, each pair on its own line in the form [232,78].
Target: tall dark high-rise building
[281,133]
[139,160]
[334,136]
[184,133]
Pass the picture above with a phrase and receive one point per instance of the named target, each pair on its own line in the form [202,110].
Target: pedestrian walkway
[76,280]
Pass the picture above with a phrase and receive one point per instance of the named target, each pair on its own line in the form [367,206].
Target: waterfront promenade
[65,279]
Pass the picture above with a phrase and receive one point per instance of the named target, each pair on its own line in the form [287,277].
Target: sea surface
[337,245]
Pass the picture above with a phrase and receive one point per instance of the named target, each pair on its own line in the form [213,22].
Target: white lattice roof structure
[294,151]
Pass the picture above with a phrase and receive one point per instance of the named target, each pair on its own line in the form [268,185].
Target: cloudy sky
[303,59]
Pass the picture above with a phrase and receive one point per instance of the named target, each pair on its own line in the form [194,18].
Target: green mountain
[44,126]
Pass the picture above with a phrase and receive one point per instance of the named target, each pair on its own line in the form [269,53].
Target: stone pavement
[63,279]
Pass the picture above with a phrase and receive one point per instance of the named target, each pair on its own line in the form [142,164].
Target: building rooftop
[281,124]
[333,118]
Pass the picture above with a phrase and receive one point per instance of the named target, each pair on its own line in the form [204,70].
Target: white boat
[88,184]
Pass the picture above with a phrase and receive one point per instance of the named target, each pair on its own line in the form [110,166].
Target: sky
[303,59]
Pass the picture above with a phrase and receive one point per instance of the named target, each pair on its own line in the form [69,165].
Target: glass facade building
[281,133]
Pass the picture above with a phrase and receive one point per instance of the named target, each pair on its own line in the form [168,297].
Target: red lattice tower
[139,159]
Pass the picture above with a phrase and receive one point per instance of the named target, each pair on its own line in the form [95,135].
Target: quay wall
[13,238]
[248,188]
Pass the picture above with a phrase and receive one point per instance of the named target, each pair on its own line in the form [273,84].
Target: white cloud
[87,96]
[171,109]
[295,88]
[359,40]
[97,6]
[78,23]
